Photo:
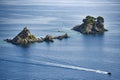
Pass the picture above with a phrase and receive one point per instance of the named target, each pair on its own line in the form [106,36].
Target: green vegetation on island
[91,25]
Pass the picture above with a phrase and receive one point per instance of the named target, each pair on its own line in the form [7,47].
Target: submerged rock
[91,25]
[40,39]
[49,38]
[25,37]
[62,36]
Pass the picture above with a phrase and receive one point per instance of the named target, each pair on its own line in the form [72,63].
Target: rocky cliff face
[24,37]
[91,25]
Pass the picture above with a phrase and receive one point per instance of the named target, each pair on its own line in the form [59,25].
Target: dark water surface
[61,60]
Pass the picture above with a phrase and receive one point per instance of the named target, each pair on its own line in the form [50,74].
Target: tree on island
[91,25]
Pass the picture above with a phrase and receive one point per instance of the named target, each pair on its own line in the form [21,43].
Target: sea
[80,57]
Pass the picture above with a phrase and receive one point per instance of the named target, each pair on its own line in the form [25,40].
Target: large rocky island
[25,37]
[91,25]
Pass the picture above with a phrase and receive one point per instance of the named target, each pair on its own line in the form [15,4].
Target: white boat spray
[36,62]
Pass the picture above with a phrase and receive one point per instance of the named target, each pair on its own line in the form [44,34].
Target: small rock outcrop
[49,38]
[62,36]
[25,37]
[91,25]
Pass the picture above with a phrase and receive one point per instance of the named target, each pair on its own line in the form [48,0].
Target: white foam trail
[71,67]
[36,62]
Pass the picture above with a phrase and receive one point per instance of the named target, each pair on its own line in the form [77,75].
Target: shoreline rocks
[62,36]
[25,37]
[50,38]
[91,25]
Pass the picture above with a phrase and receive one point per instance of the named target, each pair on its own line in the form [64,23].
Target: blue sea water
[81,57]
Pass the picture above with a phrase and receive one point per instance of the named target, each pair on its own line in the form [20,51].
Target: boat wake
[36,62]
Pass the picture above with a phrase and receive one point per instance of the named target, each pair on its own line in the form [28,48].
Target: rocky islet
[91,25]
[25,37]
